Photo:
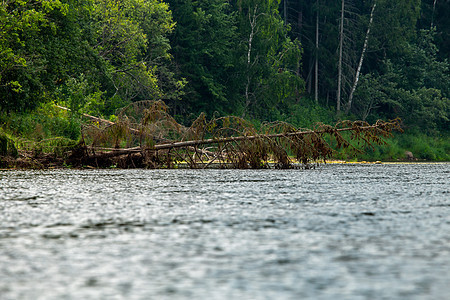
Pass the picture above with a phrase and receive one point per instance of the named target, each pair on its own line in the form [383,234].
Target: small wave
[20,199]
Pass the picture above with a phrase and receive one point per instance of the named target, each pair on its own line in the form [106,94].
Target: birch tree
[361,59]
[253,17]
[269,58]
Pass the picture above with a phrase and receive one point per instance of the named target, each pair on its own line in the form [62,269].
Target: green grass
[45,130]
[423,147]
[46,122]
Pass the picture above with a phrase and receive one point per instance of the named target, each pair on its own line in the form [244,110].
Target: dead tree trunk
[227,140]
[381,127]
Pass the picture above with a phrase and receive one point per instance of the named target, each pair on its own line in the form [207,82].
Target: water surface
[336,232]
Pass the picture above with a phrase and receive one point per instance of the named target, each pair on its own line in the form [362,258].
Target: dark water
[337,232]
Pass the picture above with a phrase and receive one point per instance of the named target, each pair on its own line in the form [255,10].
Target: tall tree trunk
[341,44]
[300,31]
[309,77]
[316,75]
[253,31]
[300,25]
[361,59]
[432,14]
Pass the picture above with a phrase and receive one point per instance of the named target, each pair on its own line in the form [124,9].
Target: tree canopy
[263,60]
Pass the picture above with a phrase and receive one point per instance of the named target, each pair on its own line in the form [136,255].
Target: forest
[300,62]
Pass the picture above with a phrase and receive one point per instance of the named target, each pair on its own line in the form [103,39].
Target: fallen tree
[145,135]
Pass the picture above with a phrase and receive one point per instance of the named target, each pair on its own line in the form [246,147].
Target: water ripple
[336,232]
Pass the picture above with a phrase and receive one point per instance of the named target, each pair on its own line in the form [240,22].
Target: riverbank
[62,157]
[53,138]
[36,156]
[45,161]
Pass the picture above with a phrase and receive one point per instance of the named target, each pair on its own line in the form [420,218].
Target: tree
[414,86]
[317,24]
[363,52]
[268,58]
[435,14]
[131,36]
[235,56]
[393,28]
[316,66]
[203,45]
[111,49]
[20,67]
[341,46]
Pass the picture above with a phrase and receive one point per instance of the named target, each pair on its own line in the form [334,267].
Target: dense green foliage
[92,54]
[264,60]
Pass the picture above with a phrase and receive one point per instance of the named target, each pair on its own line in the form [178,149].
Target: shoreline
[46,162]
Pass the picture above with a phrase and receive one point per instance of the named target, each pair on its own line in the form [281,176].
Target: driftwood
[233,142]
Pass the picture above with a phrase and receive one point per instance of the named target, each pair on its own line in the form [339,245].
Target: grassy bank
[42,136]
[400,148]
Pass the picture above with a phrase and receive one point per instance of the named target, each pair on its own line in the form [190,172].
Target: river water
[335,232]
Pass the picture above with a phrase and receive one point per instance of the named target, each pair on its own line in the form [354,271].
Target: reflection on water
[336,232]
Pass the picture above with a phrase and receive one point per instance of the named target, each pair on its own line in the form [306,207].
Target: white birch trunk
[432,14]
[361,59]
[253,30]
